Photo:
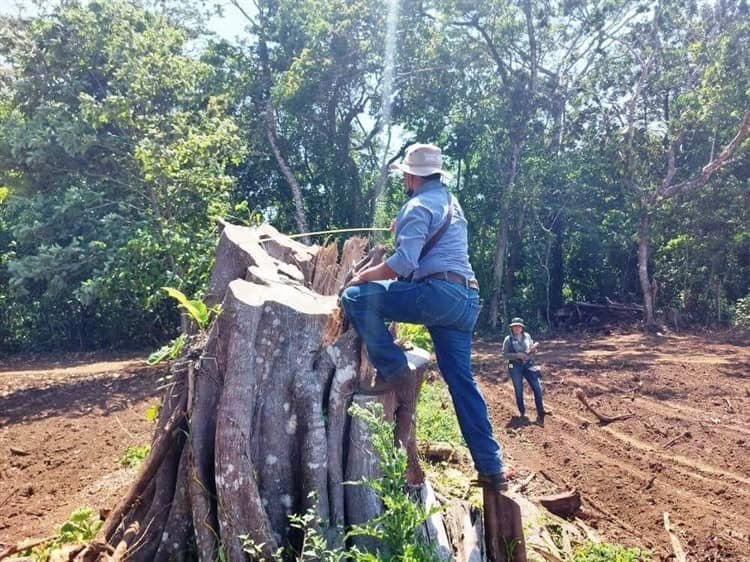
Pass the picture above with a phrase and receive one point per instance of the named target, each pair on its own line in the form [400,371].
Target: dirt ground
[64,423]
[70,419]
[685,450]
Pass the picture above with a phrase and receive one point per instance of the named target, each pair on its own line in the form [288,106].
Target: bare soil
[685,450]
[64,423]
[76,415]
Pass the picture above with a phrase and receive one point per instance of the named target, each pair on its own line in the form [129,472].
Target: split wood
[21,547]
[679,553]
[602,418]
[521,486]
[6,498]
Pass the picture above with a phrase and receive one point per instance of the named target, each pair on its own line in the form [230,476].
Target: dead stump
[254,425]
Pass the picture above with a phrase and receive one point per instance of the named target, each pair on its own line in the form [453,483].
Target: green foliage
[80,528]
[170,351]
[196,308]
[397,526]
[606,552]
[741,313]
[134,455]
[120,154]
[313,545]
[125,135]
[152,412]
[396,529]
[416,334]
[436,419]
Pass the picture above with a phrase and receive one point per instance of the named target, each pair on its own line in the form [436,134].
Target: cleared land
[75,416]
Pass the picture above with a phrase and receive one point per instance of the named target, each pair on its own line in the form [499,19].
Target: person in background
[518,348]
[428,280]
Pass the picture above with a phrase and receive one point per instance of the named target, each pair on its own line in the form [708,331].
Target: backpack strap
[435,238]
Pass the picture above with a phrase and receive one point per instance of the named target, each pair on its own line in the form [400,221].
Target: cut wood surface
[243,441]
[565,504]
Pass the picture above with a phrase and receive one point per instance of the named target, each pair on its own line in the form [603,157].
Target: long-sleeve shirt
[418,220]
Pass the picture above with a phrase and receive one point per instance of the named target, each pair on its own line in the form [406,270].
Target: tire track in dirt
[702,479]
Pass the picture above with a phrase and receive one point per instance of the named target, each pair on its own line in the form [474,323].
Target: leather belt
[455,278]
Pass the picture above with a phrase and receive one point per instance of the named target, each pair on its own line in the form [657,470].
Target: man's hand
[533,348]
[393,226]
[379,272]
[523,356]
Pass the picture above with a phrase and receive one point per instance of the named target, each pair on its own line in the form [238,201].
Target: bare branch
[668,190]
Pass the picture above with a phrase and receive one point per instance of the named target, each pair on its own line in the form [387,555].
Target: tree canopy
[597,148]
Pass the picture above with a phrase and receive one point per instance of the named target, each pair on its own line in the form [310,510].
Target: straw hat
[422,160]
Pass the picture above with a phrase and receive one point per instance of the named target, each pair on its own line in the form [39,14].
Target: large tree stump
[255,419]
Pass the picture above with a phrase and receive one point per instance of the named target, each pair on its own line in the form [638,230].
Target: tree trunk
[254,426]
[647,288]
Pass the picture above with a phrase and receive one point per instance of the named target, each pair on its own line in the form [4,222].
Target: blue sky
[229,25]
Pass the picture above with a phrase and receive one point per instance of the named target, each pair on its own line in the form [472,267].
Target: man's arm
[413,228]
[375,273]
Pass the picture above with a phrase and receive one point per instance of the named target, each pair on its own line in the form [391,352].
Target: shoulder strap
[432,240]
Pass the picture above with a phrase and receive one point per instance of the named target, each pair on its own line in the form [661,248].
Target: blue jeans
[449,311]
[517,374]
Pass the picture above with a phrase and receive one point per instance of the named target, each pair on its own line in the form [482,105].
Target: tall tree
[673,118]
[116,162]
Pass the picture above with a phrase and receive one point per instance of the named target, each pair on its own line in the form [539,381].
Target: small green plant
[134,455]
[152,412]
[81,527]
[313,546]
[170,351]
[196,308]
[416,334]
[200,314]
[605,552]
[397,526]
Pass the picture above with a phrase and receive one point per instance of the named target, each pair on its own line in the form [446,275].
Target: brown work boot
[382,385]
[496,482]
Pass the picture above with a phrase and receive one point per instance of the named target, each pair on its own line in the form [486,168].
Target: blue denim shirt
[421,217]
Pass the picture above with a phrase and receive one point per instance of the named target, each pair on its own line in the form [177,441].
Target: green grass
[436,419]
[417,335]
[606,552]
[436,422]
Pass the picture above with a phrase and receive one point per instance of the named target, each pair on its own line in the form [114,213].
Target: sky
[229,25]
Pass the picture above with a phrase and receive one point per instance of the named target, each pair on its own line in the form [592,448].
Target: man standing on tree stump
[428,280]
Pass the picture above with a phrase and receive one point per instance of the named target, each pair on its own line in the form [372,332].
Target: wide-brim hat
[422,160]
[517,322]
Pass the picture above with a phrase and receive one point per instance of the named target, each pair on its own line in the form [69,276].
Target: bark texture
[255,419]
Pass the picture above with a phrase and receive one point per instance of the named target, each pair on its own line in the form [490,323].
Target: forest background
[599,149]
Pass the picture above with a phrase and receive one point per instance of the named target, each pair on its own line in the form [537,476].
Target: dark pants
[531,374]
[449,311]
